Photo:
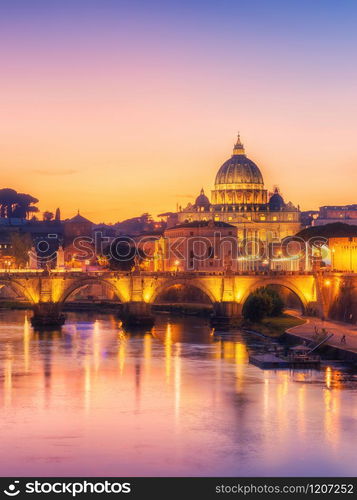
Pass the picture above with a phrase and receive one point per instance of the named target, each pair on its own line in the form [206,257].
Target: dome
[276,201]
[239,169]
[202,200]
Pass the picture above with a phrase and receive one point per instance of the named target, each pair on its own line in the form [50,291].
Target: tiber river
[93,400]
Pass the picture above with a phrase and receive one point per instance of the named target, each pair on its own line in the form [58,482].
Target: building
[287,255]
[330,214]
[76,227]
[343,253]
[240,198]
[308,217]
[198,246]
[6,254]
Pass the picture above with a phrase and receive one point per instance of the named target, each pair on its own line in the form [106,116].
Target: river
[179,400]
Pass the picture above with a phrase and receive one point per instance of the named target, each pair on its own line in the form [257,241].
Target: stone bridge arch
[83,282]
[23,290]
[283,283]
[195,283]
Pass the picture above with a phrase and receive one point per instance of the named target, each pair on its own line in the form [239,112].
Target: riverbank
[274,326]
[11,304]
[185,308]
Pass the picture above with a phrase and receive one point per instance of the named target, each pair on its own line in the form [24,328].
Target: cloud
[67,171]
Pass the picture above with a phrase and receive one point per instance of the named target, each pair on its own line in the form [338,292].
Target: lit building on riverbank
[331,214]
[240,198]
[197,246]
[343,254]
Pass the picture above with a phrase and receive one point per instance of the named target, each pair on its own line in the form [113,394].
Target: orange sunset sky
[120,108]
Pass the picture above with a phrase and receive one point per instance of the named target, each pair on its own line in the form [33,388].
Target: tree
[13,204]
[8,199]
[24,205]
[136,225]
[21,244]
[122,254]
[277,302]
[255,308]
[263,302]
[47,216]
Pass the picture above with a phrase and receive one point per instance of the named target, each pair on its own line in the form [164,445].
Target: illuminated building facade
[197,246]
[6,257]
[343,253]
[330,214]
[239,198]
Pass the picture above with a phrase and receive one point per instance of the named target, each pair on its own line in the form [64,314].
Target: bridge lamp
[327,283]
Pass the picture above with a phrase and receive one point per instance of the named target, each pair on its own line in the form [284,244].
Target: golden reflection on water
[121,350]
[96,345]
[8,375]
[240,358]
[147,352]
[27,335]
[168,346]
[179,379]
[332,394]
[87,383]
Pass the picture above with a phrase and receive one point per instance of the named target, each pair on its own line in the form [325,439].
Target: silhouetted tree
[24,205]
[122,254]
[13,204]
[136,225]
[8,200]
[47,216]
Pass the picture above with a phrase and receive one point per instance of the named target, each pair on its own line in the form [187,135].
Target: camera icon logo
[13,489]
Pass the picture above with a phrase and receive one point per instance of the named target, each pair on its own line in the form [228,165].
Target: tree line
[17,205]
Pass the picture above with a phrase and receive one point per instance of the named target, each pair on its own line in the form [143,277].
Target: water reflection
[180,399]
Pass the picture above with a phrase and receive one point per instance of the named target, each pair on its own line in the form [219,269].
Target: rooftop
[202,223]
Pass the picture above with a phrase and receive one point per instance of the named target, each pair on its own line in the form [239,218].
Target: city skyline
[178,247]
[121,108]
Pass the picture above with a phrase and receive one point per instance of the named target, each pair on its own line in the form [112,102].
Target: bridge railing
[71,273]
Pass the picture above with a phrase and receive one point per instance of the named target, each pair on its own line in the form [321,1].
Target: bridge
[137,291]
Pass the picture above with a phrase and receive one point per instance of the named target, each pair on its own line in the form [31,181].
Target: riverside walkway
[339,329]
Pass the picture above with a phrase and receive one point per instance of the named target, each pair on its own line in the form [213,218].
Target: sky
[118,107]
